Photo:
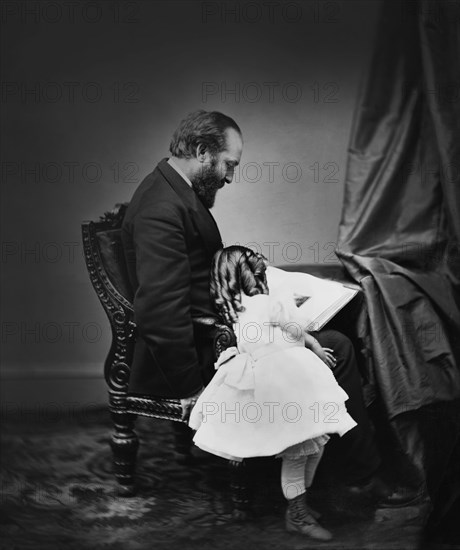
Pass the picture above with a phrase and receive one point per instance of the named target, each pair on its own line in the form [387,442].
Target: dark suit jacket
[169,239]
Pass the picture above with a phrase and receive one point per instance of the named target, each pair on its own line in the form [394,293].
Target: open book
[325,298]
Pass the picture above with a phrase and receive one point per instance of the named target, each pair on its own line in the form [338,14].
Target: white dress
[271,393]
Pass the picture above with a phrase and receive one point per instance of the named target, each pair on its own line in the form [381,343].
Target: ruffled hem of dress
[216,452]
[305,448]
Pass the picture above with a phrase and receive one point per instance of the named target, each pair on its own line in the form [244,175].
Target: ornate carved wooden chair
[108,274]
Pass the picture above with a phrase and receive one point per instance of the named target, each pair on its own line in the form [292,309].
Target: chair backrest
[109,276]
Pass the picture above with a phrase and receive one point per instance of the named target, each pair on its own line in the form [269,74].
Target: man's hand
[188,403]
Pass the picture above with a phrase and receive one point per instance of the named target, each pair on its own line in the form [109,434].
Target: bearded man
[169,240]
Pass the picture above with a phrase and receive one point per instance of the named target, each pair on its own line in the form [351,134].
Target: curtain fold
[400,229]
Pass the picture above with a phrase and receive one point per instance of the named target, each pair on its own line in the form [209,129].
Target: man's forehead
[234,144]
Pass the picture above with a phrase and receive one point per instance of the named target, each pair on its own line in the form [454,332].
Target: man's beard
[206,184]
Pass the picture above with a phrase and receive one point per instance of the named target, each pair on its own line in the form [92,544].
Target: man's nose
[229,175]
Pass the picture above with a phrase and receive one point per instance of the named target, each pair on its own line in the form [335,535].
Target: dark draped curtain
[400,229]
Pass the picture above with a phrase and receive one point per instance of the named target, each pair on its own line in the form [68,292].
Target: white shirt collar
[179,171]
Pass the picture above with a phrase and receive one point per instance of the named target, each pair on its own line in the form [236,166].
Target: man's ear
[202,153]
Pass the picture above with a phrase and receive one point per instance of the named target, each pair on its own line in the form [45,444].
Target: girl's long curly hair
[236,269]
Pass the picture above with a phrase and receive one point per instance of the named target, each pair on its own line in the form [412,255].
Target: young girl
[272,395]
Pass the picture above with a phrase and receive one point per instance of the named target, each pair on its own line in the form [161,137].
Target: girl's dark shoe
[314,512]
[299,519]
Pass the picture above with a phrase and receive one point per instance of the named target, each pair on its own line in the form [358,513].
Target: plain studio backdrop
[91,94]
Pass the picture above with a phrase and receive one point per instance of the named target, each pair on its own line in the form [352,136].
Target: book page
[325,297]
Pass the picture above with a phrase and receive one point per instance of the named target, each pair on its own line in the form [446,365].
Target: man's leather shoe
[386,497]
[402,496]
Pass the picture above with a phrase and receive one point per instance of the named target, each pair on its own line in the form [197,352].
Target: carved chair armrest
[171,409]
[224,337]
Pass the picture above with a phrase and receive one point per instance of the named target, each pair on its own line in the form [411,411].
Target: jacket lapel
[200,215]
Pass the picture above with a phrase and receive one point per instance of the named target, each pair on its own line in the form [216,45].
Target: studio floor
[58,491]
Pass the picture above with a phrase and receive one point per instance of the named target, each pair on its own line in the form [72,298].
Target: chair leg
[124,445]
[239,489]
[183,440]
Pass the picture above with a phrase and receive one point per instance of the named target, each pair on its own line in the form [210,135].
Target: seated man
[169,240]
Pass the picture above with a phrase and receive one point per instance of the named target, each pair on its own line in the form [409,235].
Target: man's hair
[203,127]
[234,270]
